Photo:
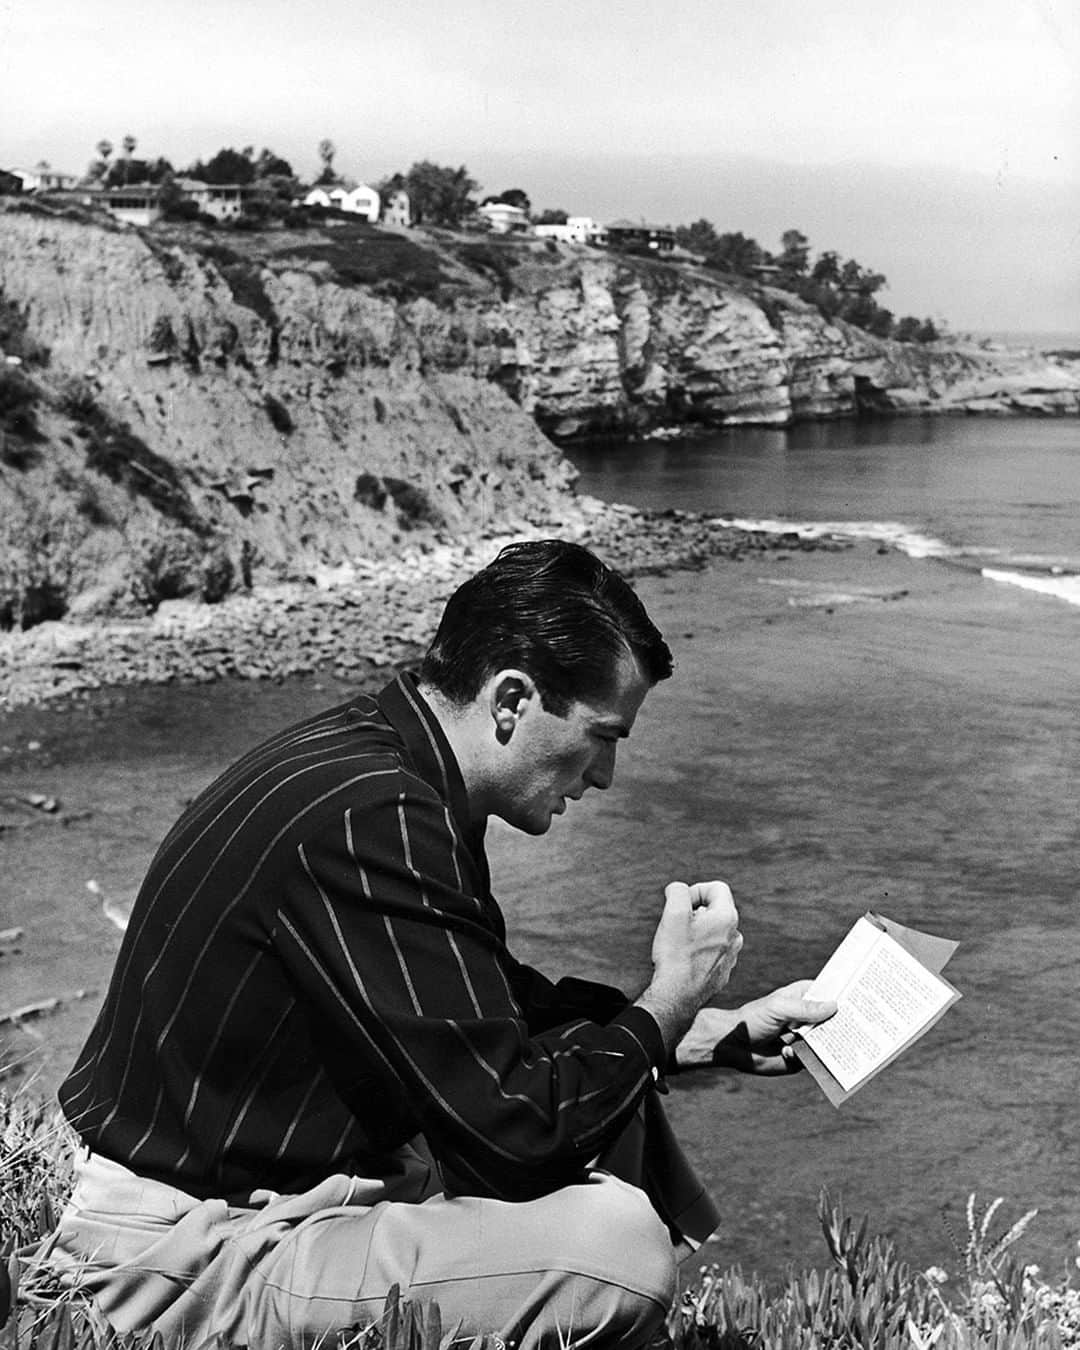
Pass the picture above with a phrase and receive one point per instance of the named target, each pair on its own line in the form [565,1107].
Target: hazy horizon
[937,144]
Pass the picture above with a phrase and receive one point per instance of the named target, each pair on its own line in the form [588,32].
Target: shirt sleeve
[545,1004]
[384,932]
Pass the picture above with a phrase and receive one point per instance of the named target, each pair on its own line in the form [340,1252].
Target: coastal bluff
[188,412]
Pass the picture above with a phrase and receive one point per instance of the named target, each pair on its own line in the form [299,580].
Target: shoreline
[359,613]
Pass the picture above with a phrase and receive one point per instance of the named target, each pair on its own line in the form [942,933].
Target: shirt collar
[411,716]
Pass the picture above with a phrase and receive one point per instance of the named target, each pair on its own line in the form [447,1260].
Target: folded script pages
[887,984]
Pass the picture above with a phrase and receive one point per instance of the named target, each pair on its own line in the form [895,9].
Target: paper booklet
[887,984]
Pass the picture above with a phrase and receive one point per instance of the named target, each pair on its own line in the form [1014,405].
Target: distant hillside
[186,411]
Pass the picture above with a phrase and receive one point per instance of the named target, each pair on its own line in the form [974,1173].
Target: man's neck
[463,729]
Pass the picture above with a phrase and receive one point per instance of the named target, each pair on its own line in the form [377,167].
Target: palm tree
[129,144]
[327,151]
[98,170]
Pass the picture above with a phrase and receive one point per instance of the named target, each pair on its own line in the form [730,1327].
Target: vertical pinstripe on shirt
[315,971]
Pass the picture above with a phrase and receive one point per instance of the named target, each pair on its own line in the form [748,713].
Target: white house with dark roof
[503,218]
[360,200]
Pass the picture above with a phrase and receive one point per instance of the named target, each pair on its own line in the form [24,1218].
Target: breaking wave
[1045,574]
[1062,585]
[915,543]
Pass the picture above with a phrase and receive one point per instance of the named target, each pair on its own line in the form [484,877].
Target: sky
[936,141]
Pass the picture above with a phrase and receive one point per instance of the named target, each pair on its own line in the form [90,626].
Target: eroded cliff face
[604,343]
[185,435]
[188,414]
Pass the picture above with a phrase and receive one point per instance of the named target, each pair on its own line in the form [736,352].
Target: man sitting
[319,1071]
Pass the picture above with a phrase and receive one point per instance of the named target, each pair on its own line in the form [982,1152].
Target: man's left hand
[751,1038]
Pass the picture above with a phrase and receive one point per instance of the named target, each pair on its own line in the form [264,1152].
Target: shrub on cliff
[115,451]
[15,337]
[174,565]
[19,434]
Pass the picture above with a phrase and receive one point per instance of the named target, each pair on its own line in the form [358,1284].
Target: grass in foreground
[866,1299]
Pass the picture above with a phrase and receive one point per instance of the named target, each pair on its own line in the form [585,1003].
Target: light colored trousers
[591,1264]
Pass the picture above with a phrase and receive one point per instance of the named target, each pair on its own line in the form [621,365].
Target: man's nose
[601,772]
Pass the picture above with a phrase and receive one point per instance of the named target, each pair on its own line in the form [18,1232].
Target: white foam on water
[915,543]
[1066,587]
[1055,576]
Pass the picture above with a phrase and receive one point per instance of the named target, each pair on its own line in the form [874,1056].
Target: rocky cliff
[186,413]
[609,344]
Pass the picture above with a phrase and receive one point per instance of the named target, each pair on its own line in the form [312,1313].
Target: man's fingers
[811,1010]
[677,898]
[712,895]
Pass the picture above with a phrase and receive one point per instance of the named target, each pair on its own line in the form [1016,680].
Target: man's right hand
[694,951]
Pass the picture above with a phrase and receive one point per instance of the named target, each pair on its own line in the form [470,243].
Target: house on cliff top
[504,218]
[639,237]
[575,230]
[136,204]
[360,200]
[44,179]
[223,201]
[397,208]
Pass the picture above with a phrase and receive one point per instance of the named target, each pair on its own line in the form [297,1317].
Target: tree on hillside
[859,280]
[128,170]
[732,251]
[128,144]
[269,165]
[795,253]
[516,197]
[911,329]
[439,195]
[327,151]
[736,252]
[227,166]
[700,237]
[99,166]
[275,175]
[826,269]
[552,216]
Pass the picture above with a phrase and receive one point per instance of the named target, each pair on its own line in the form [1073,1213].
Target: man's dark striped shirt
[315,971]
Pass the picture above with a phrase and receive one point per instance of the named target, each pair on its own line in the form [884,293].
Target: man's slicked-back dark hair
[553,610]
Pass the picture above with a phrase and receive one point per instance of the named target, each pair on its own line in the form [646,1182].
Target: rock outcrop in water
[184,412]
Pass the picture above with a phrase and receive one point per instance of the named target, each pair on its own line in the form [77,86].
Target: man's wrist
[671,1014]
[708,1041]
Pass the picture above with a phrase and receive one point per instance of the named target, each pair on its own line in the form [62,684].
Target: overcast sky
[937,141]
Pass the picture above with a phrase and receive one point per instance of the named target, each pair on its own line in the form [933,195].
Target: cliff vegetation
[188,411]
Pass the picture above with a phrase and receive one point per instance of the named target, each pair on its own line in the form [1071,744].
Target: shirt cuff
[642,1026]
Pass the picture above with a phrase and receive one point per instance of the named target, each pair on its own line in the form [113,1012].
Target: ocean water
[998,496]
[891,726]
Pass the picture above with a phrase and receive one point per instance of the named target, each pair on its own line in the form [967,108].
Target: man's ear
[511,693]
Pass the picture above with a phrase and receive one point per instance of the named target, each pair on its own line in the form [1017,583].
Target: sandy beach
[842,732]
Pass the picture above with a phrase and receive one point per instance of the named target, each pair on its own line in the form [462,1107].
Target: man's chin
[534,825]
[532,820]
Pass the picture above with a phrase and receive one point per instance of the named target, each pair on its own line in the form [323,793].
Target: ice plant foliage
[865,1299]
